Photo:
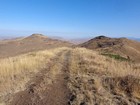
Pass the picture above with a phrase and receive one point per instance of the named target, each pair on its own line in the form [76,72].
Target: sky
[70,18]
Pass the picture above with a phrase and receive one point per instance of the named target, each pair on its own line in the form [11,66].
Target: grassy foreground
[15,72]
[100,80]
[94,79]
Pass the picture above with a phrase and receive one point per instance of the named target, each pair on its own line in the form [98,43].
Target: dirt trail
[49,87]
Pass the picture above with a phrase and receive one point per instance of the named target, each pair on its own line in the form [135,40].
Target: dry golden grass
[94,78]
[89,72]
[15,72]
[92,61]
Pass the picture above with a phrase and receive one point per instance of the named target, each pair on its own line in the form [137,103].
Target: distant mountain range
[6,37]
[73,40]
[137,39]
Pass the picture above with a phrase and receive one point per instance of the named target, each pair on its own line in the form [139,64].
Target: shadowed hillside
[121,46]
[34,42]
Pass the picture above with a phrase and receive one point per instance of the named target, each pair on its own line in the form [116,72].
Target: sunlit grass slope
[99,80]
[93,78]
[15,72]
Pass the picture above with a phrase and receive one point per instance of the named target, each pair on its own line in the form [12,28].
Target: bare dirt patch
[49,87]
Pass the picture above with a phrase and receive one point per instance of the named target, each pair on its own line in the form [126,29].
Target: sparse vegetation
[121,49]
[93,78]
[117,57]
[15,72]
[89,72]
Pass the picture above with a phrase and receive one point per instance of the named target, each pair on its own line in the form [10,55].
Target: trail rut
[49,87]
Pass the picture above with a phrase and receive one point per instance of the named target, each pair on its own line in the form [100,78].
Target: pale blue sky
[70,18]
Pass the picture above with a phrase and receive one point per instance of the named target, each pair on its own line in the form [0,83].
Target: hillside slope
[121,46]
[68,76]
[34,42]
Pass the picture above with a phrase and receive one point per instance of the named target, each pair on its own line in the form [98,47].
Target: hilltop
[33,42]
[36,69]
[121,46]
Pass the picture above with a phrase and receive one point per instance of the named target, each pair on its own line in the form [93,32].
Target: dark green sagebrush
[117,57]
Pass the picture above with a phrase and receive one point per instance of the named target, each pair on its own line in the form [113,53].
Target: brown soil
[47,87]
[34,42]
[121,46]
